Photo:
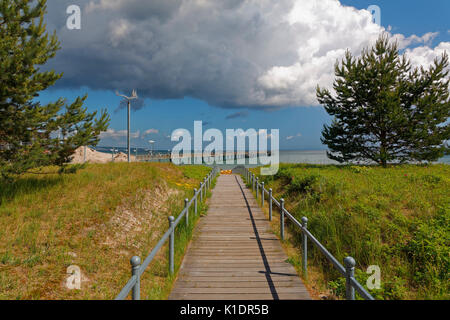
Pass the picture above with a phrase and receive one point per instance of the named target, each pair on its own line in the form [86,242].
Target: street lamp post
[151,143]
[133,96]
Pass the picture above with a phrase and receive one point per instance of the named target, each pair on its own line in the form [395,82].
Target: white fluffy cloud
[230,53]
[150,131]
[292,137]
[119,137]
[118,134]
[405,42]
[424,56]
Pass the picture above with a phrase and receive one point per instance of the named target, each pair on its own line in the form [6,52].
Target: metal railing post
[282,219]
[203,189]
[195,201]
[262,193]
[187,210]
[253,182]
[305,247]
[205,184]
[257,188]
[270,204]
[171,246]
[135,265]
[349,263]
[201,192]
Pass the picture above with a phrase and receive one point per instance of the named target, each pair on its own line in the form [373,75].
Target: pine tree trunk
[383,149]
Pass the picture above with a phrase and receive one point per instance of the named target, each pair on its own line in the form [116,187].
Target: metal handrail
[360,289]
[349,262]
[127,288]
[137,269]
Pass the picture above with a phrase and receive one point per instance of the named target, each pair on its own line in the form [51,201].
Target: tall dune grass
[397,218]
[96,219]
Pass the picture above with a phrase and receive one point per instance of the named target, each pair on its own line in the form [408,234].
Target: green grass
[97,219]
[397,218]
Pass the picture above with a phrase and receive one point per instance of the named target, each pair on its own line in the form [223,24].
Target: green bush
[303,184]
[428,252]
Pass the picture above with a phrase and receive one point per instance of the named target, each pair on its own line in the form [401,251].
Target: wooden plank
[243,279]
[236,273]
[230,250]
[237,242]
[221,257]
[238,269]
[235,284]
[234,253]
[234,259]
[274,266]
[242,290]
[242,296]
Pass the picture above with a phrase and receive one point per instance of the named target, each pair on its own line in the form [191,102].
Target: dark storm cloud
[235,115]
[136,104]
[170,49]
[229,53]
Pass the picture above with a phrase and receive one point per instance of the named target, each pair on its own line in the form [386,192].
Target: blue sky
[299,126]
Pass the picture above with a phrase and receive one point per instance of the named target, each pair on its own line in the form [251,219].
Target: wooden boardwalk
[234,255]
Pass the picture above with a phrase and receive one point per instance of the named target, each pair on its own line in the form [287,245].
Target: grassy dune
[397,218]
[96,219]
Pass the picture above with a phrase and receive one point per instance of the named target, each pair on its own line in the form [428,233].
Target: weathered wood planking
[234,255]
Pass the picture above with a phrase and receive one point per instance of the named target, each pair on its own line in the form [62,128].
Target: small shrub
[359,169]
[432,179]
[285,175]
[71,169]
[429,253]
[303,184]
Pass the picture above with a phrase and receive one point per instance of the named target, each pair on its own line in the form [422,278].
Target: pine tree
[34,135]
[385,110]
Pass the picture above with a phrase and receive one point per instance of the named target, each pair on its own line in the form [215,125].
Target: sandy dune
[98,157]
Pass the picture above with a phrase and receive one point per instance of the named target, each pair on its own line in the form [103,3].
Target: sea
[286,156]
[320,157]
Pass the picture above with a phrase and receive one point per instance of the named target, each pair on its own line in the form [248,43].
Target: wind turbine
[133,96]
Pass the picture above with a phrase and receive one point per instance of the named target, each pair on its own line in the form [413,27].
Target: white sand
[98,157]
